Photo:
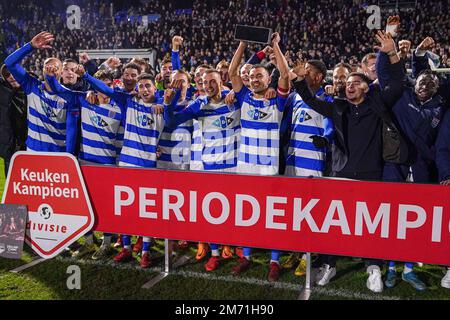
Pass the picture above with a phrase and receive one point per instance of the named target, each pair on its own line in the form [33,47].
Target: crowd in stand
[251,109]
[330,31]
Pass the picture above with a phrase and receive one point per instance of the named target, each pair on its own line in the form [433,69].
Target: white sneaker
[317,274]
[374,282]
[327,274]
[445,282]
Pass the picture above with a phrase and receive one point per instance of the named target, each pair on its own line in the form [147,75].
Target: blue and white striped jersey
[216,134]
[142,132]
[51,119]
[260,133]
[99,124]
[46,119]
[99,131]
[175,144]
[303,158]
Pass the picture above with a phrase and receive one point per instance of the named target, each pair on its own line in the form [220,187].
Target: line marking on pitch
[342,293]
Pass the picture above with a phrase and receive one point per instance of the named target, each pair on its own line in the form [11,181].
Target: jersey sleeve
[12,62]
[240,96]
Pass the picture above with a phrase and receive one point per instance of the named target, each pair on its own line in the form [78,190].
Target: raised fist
[84,58]
[50,70]
[426,44]
[113,62]
[177,41]
[92,98]
[393,23]
[276,38]
[404,47]
[80,70]
[168,95]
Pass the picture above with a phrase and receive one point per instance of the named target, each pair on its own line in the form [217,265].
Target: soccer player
[143,126]
[129,78]
[175,142]
[100,125]
[196,163]
[70,76]
[260,128]
[306,138]
[218,141]
[51,120]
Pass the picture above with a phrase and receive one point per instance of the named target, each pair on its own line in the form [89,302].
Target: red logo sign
[52,187]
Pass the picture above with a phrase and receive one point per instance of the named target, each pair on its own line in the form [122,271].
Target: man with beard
[218,141]
[418,112]
[260,128]
[357,117]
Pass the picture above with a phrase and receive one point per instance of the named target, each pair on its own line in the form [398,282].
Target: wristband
[392,53]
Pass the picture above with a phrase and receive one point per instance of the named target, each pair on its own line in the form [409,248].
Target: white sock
[304,256]
[277,262]
[144,251]
[406,269]
[247,257]
[392,268]
[215,252]
[128,247]
[89,239]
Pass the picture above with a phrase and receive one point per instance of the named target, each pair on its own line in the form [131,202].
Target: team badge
[48,111]
[144,120]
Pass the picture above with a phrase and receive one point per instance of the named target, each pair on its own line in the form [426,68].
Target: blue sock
[214,246]
[408,267]
[146,246]
[275,255]
[392,265]
[247,252]
[126,240]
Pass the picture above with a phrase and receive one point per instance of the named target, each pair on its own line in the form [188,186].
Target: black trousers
[366,176]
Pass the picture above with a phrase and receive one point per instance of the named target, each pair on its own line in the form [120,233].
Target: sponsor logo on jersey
[223,122]
[98,121]
[304,116]
[257,114]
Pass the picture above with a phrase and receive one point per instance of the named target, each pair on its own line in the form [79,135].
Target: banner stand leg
[168,249]
[306,292]
[36,260]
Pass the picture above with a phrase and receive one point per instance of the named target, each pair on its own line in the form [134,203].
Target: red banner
[391,221]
